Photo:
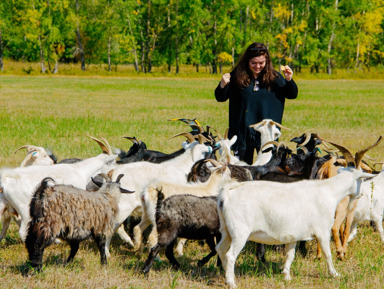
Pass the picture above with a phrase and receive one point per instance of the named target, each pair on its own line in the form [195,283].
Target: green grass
[59,112]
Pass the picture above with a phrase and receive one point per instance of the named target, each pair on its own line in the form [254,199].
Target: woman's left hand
[288,73]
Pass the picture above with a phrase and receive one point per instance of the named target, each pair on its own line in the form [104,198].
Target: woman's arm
[222,90]
[290,89]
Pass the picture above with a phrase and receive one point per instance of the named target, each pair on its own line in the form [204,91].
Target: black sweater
[247,107]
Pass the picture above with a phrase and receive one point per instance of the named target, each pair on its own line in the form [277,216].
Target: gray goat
[73,215]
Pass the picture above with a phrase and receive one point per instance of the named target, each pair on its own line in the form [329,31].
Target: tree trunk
[1,52]
[245,24]
[271,17]
[109,52]
[136,63]
[233,57]
[78,35]
[56,68]
[177,38]
[147,38]
[41,56]
[357,55]
[214,51]
[329,69]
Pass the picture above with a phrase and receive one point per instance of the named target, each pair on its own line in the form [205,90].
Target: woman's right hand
[225,80]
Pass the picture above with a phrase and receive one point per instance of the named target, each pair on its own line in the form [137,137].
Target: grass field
[59,112]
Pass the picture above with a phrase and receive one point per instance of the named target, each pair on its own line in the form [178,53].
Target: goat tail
[160,198]
[43,190]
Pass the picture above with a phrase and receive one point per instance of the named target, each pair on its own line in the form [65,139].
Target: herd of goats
[200,192]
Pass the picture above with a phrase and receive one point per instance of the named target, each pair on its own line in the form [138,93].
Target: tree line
[320,34]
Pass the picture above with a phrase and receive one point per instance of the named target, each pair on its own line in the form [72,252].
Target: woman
[255,92]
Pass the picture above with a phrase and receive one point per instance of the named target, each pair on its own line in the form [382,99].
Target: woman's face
[257,64]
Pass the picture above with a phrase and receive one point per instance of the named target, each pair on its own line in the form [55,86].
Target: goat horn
[213,162]
[270,142]
[105,148]
[202,139]
[106,177]
[346,153]
[226,133]
[119,177]
[279,125]
[23,147]
[307,138]
[188,135]
[303,149]
[132,139]
[369,158]
[201,130]
[108,146]
[326,146]
[378,163]
[359,155]
[259,123]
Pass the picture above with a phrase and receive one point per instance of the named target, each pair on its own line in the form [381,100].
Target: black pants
[246,155]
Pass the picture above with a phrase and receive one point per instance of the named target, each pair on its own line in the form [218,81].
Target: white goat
[138,175]
[225,150]
[370,206]
[17,184]
[268,132]
[149,199]
[36,156]
[276,213]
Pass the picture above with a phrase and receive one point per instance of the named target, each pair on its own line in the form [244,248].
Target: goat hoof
[145,270]
[340,256]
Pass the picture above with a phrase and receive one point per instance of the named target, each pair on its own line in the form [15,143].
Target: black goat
[184,216]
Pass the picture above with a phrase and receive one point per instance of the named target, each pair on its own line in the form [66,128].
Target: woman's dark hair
[242,72]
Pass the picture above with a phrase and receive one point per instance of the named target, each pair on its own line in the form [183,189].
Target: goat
[225,150]
[35,156]
[17,184]
[73,215]
[370,206]
[139,152]
[138,175]
[276,213]
[200,172]
[269,131]
[345,209]
[149,198]
[184,216]
[306,142]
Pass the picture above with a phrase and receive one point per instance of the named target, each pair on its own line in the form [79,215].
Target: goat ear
[267,150]
[96,182]
[233,140]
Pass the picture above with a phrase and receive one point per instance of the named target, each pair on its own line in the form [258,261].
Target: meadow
[60,111]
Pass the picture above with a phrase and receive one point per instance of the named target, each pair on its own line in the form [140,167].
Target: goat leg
[211,244]
[260,252]
[171,256]
[100,242]
[152,255]
[74,248]
[302,249]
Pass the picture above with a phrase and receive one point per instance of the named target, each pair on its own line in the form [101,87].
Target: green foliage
[169,33]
